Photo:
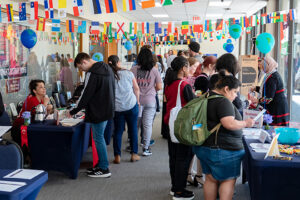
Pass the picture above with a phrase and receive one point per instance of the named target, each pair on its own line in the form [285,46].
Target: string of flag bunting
[187,30]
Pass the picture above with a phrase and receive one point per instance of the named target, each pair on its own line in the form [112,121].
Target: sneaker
[91,169]
[172,192]
[147,152]
[152,142]
[99,173]
[184,195]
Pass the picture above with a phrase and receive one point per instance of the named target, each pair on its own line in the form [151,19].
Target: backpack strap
[178,100]
[216,128]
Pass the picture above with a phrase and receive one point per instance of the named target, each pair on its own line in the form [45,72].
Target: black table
[57,147]
[26,192]
[269,178]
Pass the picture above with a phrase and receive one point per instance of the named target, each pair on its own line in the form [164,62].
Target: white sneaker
[147,152]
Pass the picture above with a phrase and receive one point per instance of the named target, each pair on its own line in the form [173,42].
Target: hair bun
[222,73]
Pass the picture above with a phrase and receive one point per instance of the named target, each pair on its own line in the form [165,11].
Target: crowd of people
[130,97]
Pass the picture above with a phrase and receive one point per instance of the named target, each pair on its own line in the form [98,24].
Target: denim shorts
[220,163]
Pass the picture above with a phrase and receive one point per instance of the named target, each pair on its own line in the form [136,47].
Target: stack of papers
[260,147]
[24,174]
[4,129]
[9,186]
[251,133]
[70,121]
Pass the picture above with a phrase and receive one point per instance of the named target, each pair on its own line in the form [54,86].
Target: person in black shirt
[222,152]
[202,81]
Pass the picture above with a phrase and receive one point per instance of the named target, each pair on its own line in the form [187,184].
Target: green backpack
[190,127]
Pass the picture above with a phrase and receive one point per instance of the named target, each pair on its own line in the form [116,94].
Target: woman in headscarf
[272,93]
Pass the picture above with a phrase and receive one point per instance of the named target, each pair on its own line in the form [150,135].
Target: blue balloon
[28,38]
[235,31]
[128,45]
[265,42]
[229,48]
[229,41]
[224,46]
[97,57]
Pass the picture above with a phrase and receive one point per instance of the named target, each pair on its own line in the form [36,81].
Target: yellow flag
[62,3]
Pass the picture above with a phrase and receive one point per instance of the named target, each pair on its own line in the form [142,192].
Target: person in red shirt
[180,155]
[37,96]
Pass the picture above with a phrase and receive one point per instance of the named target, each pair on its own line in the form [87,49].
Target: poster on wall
[12,72]
[12,85]
[248,73]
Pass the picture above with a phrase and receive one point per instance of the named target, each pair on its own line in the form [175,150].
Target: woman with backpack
[180,155]
[127,108]
[222,152]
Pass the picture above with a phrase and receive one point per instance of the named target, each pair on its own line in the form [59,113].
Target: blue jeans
[98,136]
[130,116]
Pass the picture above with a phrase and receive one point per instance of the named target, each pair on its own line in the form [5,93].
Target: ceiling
[185,11]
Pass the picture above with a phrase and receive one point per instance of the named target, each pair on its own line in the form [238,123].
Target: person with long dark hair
[149,82]
[222,152]
[180,155]
[127,108]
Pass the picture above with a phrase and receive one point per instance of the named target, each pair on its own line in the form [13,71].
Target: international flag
[292,14]
[184,27]
[167,2]
[49,12]
[55,25]
[95,6]
[191,30]
[107,28]
[280,18]
[269,18]
[198,28]
[263,18]
[34,10]
[120,27]
[188,1]
[77,8]
[81,26]
[62,8]
[70,26]
[171,27]
[0,14]
[132,28]
[95,28]
[40,25]
[148,3]
[208,26]
[145,28]
[111,6]
[9,12]
[285,17]
[231,21]
[157,28]
[129,5]
[22,11]
[246,21]
[219,24]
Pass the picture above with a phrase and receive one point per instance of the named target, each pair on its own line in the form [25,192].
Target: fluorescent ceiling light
[160,16]
[214,16]
[219,3]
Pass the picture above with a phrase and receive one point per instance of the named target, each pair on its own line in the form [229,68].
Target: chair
[11,156]
[4,119]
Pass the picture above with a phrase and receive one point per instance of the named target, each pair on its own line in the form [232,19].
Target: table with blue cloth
[269,178]
[26,192]
[58,148]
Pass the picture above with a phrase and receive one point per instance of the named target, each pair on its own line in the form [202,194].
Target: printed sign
[12,85]
[249,72]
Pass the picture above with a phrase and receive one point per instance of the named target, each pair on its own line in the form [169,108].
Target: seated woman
[37,96]
[272,95]
[221,154]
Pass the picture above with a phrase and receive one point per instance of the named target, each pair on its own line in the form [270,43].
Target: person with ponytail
[149,81]
[126,108]
[222,152]
[180,155]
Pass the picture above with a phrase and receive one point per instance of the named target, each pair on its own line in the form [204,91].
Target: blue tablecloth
[27,192]
[57,147]
[269,178]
